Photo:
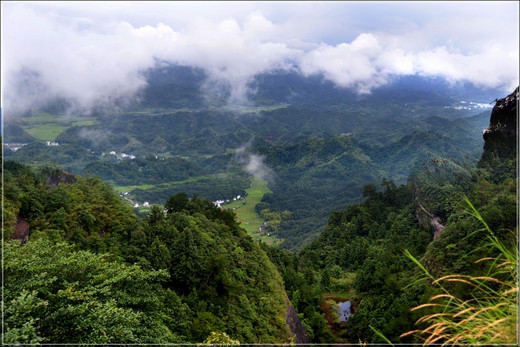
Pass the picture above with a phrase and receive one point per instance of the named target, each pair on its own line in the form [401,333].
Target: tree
[155,215]
[54,294]
[217,338]
[159,255]
[176,203]
[325,280]
[369,190]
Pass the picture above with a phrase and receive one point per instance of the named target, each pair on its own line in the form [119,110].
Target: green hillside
[185,273]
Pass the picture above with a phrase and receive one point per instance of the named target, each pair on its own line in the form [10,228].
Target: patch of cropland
[46,127]
[248,215]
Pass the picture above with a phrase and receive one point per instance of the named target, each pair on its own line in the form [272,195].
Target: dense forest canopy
[90,262]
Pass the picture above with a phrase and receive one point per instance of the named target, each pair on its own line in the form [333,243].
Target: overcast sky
[92,52]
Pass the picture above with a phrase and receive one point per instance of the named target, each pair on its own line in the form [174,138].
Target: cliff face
[295,325]
[501,135]
[21,231]
[62,177]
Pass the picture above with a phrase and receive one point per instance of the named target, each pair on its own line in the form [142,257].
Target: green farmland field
[47,127]
[247,215]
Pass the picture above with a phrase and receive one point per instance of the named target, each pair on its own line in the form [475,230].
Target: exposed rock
[434,221]
[424,217]
[21,231]
[294,323]
[501,135]
[62,177]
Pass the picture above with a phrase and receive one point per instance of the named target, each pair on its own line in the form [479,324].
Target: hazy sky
[92,52]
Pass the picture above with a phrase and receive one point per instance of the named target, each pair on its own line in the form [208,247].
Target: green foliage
[490,313]
[463,241]
[21,317]
[72,157]
[212,262]
[213,187]
[367,240]
[319,175]
[196,274]
[217,338]
[176,203]
[148,170]
[87,212]
[56,294]
[322,151]
[195,270]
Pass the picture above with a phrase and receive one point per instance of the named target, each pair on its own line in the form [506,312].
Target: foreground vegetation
[490,315]
[91,263]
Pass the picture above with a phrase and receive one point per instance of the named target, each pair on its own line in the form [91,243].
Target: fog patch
[96,136]
[253,164]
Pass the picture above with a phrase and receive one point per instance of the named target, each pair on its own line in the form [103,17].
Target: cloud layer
[95,54]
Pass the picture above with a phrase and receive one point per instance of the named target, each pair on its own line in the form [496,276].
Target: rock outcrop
[21,231]
[295,325]
[502,134]
[424,217]
[62,177]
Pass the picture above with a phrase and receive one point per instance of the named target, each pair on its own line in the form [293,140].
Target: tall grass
[489,316]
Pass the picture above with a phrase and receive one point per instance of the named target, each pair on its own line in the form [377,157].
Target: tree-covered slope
[361,255]
[313,178]
[392,131]
[91,272]
[320,175]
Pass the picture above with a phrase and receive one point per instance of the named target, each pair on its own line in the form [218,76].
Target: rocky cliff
[55,179]
[502,134]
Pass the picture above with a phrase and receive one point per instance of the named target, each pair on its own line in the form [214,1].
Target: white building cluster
[219,202]
[120,156]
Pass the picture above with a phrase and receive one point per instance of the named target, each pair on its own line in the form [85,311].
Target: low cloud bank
[45,55]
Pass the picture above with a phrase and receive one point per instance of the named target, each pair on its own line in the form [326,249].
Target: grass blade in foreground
[490,316]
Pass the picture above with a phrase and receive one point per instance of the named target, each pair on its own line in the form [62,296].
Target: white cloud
[233,53]
[253,163]
[93,53]
[84,65]
[93,67]
[493,67]
[348,65]
[367,62]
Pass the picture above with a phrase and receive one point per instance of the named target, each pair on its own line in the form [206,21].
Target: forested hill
[90,272]
[320,175]
[361,255]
